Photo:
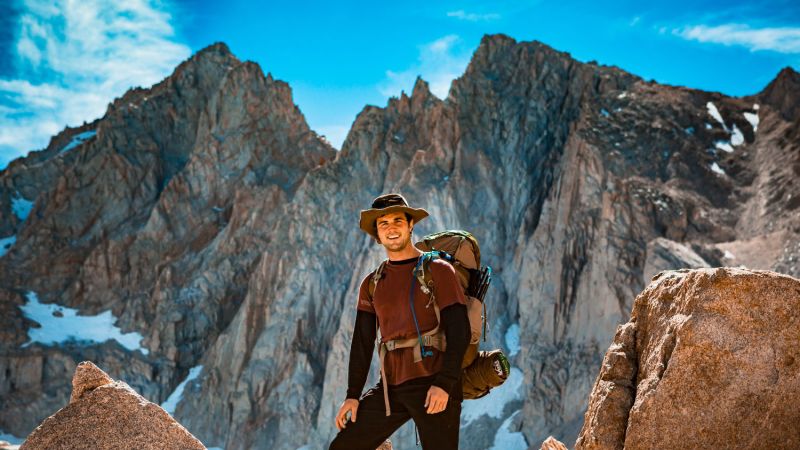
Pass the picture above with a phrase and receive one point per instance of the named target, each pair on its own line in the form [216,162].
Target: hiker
[424,384]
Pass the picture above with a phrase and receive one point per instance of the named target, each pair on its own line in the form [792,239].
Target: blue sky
[62,62]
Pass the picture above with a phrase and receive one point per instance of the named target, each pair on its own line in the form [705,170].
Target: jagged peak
[494,48]
[420,87]
[787,78]
[219,48]
[783,93]
[497,39]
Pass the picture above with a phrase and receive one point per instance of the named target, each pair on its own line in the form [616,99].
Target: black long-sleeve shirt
[454,323]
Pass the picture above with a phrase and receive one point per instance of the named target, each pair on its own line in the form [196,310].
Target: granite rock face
[709,359]
[108,414]
[207,216]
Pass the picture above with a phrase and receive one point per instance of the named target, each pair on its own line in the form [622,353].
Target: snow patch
[512,339]
[172,401]
[722,145]
[60,324]
[6,243]
[755,106]
[737,138]
[77,140]
[689,131]
[729,255]
[10,438]
[505,439]
[21,207]
[708,126]
[753,119]
[494,403]
[716,168]
[604,112]
[623,95]
[714,112]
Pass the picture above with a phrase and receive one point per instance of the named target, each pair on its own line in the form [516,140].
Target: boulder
[709,359]
[552,443]
[108,414]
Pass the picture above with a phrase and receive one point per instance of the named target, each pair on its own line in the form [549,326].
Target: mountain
[207,217]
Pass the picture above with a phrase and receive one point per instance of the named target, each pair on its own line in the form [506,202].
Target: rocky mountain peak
[421,88]
[783,93]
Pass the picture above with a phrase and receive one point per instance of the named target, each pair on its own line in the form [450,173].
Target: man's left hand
[436,401]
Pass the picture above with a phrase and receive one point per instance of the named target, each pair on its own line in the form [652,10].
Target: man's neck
[407,253]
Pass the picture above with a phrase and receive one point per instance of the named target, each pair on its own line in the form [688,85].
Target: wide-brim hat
[387,204]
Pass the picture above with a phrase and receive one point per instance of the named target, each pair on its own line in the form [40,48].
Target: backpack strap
[373,283]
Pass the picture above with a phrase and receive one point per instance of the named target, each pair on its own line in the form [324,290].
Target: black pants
[436,431]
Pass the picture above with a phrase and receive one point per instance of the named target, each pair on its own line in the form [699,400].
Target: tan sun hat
[387,204]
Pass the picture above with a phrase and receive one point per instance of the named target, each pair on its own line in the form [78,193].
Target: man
[427,391]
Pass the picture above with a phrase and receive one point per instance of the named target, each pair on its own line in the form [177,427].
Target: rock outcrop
[205,215]
[709,359]
[552,443]
[108,414]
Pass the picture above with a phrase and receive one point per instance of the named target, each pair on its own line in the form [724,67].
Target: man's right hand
[350,405]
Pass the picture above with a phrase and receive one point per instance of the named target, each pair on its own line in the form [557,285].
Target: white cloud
[473,17]
[782,40]
[439,63]
[73,58]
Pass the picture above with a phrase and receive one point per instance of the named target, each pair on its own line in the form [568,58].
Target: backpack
[482,370]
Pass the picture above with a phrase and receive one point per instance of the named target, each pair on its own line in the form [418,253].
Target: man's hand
[350,405]
[436,401]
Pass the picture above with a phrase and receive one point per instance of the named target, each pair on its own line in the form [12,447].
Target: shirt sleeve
[457,332]
[446,287]
[360,353]
[364,303]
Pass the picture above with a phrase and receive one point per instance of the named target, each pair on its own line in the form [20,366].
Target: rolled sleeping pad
[489,370]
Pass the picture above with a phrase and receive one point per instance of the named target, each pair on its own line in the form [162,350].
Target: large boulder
[108,414]
[709,359]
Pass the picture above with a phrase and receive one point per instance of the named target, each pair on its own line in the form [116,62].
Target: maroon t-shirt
[391,304]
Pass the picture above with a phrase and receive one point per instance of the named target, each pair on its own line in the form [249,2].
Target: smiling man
[424,384]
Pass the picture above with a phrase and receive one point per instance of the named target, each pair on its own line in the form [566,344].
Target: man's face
[394,231]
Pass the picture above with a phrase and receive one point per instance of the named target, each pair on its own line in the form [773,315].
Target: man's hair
[408,218]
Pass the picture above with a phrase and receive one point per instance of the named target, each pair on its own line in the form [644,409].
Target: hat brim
[369,216]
